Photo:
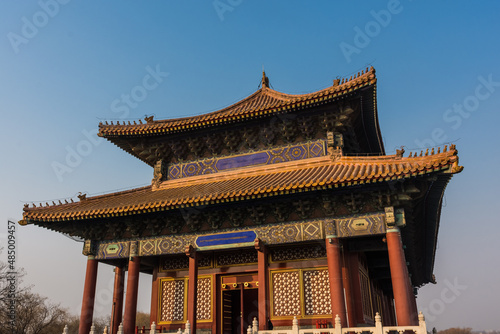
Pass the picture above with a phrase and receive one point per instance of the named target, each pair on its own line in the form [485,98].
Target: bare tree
[25,312]
[456,330]
[142,319]
[35,315]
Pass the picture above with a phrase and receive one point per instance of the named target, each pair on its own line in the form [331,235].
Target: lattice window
[286,293]
[237,258]
[204,307]
[305,252]
[172,300]
[174,263]
[182,262]
[316,292]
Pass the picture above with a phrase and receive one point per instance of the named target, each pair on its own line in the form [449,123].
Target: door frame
[241,285]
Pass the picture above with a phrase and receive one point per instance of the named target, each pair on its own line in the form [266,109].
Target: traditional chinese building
[277,206]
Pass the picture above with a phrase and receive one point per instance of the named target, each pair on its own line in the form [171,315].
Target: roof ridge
[82,197]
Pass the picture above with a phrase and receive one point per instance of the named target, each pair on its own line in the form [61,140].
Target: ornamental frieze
[272,234]
[276,155]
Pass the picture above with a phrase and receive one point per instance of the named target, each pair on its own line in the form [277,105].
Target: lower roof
[248,183]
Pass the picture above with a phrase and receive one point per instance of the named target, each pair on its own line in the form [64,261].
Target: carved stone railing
[254,328]
[377,329]
[152,330]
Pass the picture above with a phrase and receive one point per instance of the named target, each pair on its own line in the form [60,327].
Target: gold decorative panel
[204,307]
[286,293]
[172,300]
[317,292]
[360,225]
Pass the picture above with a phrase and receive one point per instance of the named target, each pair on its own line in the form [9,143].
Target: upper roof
[263,102]
[249,183]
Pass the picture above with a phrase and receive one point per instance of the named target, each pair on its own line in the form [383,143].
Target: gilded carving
[115,229]
[134,250]
[361,225]
[89,248]
[258,214]
[303,208]
[154,225]
[193,219]
[133,227]
[281,211]
[215,219]
[236,217]
[158,173]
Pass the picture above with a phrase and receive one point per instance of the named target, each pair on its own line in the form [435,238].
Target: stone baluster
[421,323]
[120,328]
[92,329]
[65,330]
[295,325]
[153,328]
[255,326]
[188,328]
[338,325]
[378,324]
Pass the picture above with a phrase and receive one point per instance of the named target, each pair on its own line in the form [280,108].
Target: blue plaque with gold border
[226,240]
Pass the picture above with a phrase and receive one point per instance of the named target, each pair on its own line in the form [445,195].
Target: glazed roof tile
[265,101]
[248,183]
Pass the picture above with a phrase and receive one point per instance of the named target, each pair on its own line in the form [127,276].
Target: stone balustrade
[421,328]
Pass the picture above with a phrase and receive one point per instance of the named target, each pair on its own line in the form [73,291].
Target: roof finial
[265,80]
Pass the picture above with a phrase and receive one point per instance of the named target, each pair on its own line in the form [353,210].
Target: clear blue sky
[64,67]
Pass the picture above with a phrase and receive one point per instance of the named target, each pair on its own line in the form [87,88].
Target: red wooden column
[192,286]
[129,315]
[334,260]
[262,253]
[154,297]
[400,279]
[116,314]
[88,296]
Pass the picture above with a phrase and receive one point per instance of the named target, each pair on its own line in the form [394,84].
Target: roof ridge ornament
[265,80]
[400,152]
[335,143]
